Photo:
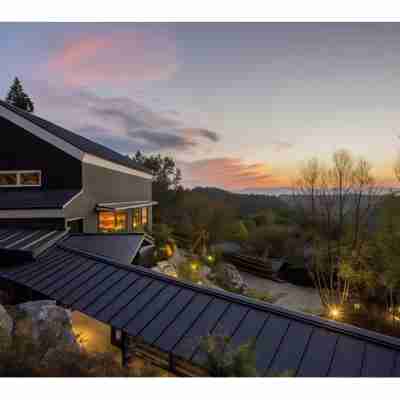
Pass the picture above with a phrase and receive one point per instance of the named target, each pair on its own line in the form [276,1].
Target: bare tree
[338,200]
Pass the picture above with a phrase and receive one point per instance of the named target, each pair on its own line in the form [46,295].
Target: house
[164,318]
[52,178]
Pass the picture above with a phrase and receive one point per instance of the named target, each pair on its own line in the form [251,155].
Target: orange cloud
[229,173]
[115,56]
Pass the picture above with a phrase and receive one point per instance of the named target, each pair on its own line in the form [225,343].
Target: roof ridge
[41,122]
[299,316]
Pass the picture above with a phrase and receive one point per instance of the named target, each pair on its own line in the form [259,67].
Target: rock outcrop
[6,325]
[45,323]
[229,278]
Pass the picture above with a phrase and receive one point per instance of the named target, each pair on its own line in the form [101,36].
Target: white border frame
[18,173]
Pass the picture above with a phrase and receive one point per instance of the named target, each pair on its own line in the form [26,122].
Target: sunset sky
[239,106]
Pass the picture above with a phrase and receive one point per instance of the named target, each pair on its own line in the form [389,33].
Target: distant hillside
[247,204]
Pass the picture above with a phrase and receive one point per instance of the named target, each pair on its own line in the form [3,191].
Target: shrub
[222,360]
[189,271]
[26,358]
[238,232]
[259,295]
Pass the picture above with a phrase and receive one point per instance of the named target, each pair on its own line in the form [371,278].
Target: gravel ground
[289,296]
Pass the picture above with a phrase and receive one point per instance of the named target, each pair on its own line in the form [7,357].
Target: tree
[17,97]
[338,201]
[167,189]
[166,175]
[237,232]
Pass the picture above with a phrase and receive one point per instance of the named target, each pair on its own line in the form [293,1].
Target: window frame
[139,212]
[115,213]
[18,174]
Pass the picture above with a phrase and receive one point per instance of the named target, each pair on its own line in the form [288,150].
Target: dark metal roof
[27,243]
[29,198]
[82,143]
[121,247]
[171,316]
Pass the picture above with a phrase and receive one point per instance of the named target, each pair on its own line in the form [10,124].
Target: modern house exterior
[52,178]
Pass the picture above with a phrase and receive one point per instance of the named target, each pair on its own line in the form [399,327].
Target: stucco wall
[105,185]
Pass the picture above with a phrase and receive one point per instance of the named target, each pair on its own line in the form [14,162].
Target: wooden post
[128,345]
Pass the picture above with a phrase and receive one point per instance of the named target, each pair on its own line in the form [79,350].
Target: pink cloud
[229,173]
[115,57]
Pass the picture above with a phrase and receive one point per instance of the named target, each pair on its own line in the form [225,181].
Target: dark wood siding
[22,150]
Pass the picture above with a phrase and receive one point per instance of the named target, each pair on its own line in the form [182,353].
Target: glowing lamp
[334,312]
[194,266]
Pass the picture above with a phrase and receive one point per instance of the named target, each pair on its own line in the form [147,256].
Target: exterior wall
[24,151]
[101,185]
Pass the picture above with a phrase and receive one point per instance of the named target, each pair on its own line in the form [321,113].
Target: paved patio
[290,296]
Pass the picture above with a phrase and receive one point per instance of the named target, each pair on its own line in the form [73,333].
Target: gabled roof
[121,247]
[170,317]
[80,142]
[23,199]
[27,244]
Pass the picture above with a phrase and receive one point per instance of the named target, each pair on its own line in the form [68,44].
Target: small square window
[30,179]
[8,179]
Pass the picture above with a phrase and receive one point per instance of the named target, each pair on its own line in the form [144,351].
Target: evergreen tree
[18,98]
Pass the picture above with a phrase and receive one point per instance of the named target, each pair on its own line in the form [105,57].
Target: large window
[112,221]
[140,218]
[20,178]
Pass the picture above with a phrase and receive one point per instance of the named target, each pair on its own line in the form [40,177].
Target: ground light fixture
[335,312]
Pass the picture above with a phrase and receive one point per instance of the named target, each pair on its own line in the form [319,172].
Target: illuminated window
[30,178]
[8,179]
[112,221]
[145,216]
[20,178]
[137,219]
[140,217]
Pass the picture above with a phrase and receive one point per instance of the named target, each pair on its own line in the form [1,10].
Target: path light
[193,266]
[210,258]
[334,312]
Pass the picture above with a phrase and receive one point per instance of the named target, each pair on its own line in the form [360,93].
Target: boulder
[229,278]
[45,323]
[6,326]
[166,268]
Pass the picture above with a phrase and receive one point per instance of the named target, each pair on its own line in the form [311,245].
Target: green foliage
[272,237]
[223,360]
[18,98]
[259,295]
[165,245]
[25,358]
[266,217]
[189,271]
[238,232]
[250,224]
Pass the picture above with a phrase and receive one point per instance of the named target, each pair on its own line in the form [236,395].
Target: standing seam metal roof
[171,316]
[82,143]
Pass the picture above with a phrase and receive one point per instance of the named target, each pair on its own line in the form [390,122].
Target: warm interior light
[357,306]
[334,312]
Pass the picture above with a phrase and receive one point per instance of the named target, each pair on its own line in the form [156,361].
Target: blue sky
[239,105]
